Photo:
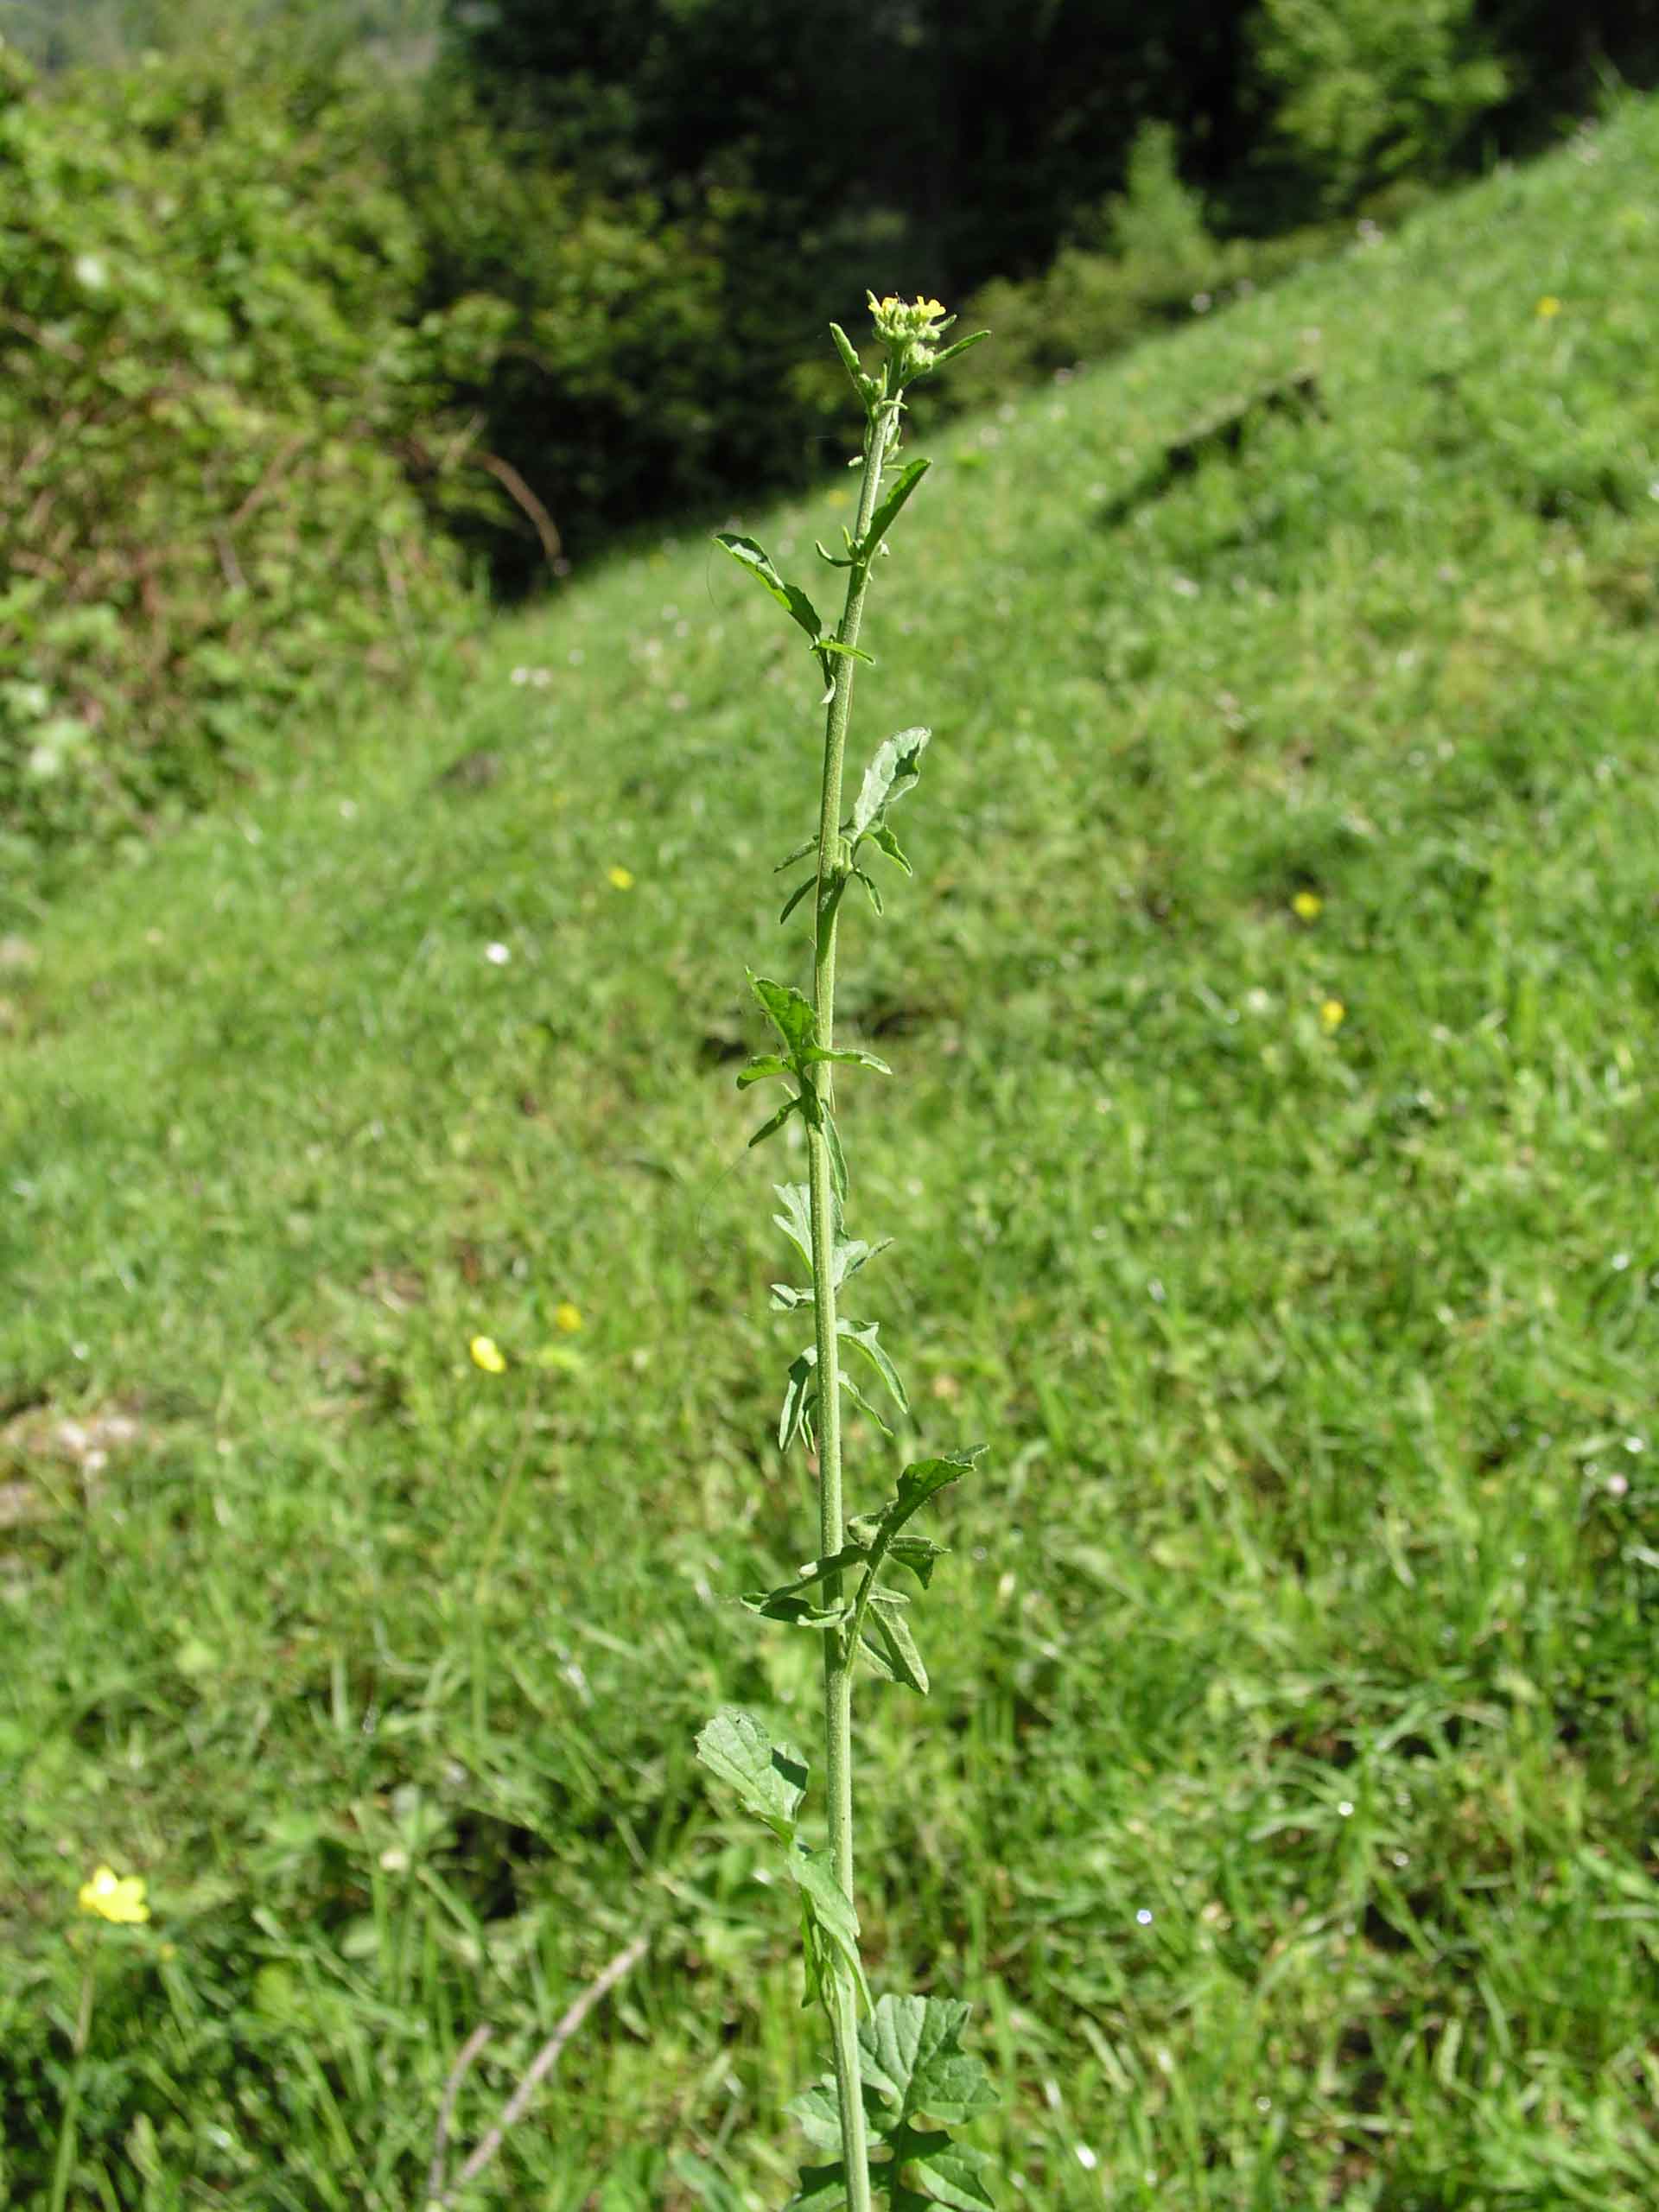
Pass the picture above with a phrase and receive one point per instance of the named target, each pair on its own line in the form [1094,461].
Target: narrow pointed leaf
[769,1778]
[892,771]
[815,1053]
[786,1298]
[796,897]
[771,1128]
[838,1157]
[836,560]
[870,890]
[887,513]
[833,1921]
[887,1630]
[801,1389]
[948,355]
[862,1403]
[824,645]
[810,845]
[863,383]
[757,561]
[866,1335]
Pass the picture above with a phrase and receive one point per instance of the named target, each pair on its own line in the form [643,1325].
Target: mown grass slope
[1286,1800]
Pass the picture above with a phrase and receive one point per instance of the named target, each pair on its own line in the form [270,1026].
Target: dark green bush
[209,370]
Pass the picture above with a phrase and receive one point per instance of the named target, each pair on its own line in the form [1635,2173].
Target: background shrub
[207,360]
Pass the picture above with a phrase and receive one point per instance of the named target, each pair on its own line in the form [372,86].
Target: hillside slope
[1297,1263]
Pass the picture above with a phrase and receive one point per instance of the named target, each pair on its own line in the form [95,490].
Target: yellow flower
[1332,1014]
[119,1897]
[1307,905]
[568,1318]
[908,326]
[488,1355]
[621,878]
[1549,307]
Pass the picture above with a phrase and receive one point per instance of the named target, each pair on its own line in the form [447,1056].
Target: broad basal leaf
[914,2065]
[914,2070]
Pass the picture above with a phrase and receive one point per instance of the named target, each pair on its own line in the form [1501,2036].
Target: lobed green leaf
[796,1219]
[761,1069]
[881,834]
[790,1012]
[788,1605]
[893,770]
[769,1778]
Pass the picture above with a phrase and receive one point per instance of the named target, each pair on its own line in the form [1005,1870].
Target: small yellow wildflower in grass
[1332,1014]
[1307,905]
[566,1316]
[621,879]
[119,1897]
[1548,308]
[488,1355]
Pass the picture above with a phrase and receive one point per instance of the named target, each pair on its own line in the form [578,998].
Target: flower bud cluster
[908,329]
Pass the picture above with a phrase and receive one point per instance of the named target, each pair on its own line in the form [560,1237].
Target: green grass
[1309,1602]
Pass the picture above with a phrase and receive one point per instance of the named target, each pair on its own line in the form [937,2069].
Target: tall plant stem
[839,1658]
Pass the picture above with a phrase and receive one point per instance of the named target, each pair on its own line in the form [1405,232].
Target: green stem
[71,2102]
[839,1657]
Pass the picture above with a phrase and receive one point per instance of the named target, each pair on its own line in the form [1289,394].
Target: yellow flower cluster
[904,322]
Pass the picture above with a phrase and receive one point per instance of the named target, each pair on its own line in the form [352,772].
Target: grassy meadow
[1272,1163]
